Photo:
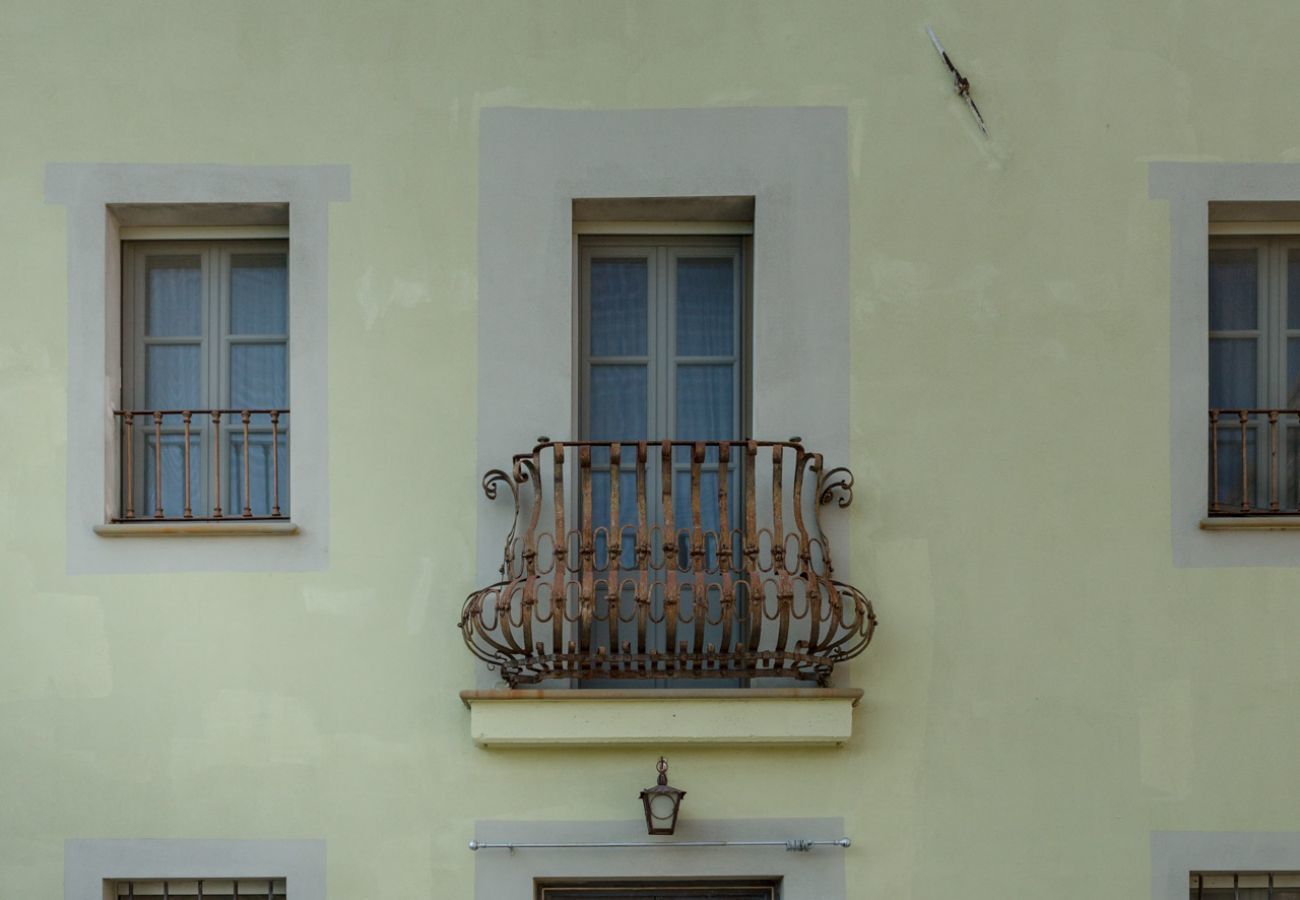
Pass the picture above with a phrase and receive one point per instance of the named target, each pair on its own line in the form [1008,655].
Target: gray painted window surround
[88,863]
[816,875]
[1189,188]
[88,190]
[533,164]
[1176,854]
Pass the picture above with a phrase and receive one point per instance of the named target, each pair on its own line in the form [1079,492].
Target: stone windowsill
[1251,523]
[572,718]
[194,529]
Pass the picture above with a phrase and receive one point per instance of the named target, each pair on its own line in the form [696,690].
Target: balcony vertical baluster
[248,508]
[275,462]
[614,550]
[671,589]
[157,465]
[1272,461]
[185,417]
[128,424]
[1214,461]
[726,595]
[1245,475]
[216,462]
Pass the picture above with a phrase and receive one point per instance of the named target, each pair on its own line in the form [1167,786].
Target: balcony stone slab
[661,717]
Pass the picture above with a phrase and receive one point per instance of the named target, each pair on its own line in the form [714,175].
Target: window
[697,889]
[662,352]
[1244,886]
[1254,307]
[1211,206]
[204,422]
[201,889]
[111,204]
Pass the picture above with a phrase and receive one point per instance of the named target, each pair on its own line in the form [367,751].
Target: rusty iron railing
[668,567]
[1244,443]
[142,426]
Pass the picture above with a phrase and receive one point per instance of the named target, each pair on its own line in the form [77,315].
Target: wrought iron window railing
[203,464]
[667,560]
[1254,462]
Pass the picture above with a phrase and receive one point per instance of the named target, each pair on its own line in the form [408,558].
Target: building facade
[314,313]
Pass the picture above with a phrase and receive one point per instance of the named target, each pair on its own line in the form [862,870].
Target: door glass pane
[618,403]
[262,487]
[172,377]
[174,296]
[1229,466]
[1293,288]
[173,474]
[1292,398]
[705,403]
[258,376]
[1234,373]
[259,294]
[1234,297]
[706,309]
[619,307]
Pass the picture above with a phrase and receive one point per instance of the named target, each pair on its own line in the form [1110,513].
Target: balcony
[1254,464]
[203,466]
[665,561]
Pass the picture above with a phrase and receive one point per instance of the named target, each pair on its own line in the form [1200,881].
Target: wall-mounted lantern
[662,803]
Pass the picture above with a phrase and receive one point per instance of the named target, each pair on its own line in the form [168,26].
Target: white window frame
[215,341]
[1190,189]
[96,196]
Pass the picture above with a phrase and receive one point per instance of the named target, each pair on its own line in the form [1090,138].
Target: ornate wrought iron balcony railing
[173,462]
[699,560]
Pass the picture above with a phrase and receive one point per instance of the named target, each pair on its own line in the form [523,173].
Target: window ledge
[194,529]
[571,718]
[1251,523]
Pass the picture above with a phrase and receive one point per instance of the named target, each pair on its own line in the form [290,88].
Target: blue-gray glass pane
[1234,290]
[259,294]
[262,498]
[619,307]
[173,473]
[172,376]
[1234,373]
[174,297]
[1293,373]
[618,403]
[1293,289]
[258,376]
[706,407]
[706,307]
[1291,473]
[1229,467]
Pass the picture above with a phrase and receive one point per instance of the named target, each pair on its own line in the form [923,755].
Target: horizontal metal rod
[798,845]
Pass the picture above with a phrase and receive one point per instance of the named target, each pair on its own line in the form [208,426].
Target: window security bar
[796,845]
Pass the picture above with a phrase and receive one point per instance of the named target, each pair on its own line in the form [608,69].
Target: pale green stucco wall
[1046,688]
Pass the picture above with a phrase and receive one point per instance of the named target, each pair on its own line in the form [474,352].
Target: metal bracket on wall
[797,845]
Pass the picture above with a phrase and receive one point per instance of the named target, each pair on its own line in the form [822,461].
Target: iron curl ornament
[667,559]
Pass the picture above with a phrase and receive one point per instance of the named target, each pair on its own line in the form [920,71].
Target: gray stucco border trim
[1175,854]
[534,162]
[1190,187]
[88,862]
[94,370]
[815,875]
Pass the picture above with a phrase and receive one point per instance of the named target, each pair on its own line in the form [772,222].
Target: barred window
[203,889]
[1244,886]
